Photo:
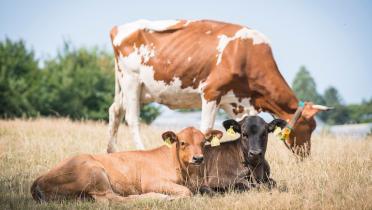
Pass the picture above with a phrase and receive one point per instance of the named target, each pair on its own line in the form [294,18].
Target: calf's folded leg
[76,178]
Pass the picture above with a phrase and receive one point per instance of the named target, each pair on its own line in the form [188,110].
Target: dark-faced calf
[239,164]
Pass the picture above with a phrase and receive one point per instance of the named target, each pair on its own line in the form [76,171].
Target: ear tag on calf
[215,141]
[230,131]
[285,134]
[277,131]
[168,142]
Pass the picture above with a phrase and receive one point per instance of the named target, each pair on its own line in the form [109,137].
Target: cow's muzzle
[254,157]
[197,159]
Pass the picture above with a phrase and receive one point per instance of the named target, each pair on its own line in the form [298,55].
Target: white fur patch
[244,33]
[135,66]
[126,30]
[229,98]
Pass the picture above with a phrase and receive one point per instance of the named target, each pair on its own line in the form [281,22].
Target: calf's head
[189,144]
[254,135]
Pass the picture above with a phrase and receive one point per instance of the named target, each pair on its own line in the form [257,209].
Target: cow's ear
[213,133]
[276,123]
[227,124]
[169,136]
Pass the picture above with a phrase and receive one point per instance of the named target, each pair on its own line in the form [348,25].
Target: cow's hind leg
[80,177]
[116,113]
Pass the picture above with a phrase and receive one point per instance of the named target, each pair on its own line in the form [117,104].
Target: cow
[124,176]
[201,64]
[239,164]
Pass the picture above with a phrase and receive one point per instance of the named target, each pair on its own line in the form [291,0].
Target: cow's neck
[179,166]
[274,95]
[282,109]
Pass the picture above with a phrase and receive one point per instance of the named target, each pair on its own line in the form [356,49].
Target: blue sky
[333,39]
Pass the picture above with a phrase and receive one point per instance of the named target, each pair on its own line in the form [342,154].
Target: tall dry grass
[337,176]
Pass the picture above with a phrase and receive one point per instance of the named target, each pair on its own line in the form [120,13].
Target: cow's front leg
[208,115]
[132,104]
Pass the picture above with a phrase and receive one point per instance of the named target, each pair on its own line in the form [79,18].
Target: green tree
[305,87]
[79,83]
[149,113]
[340,115]
[332,97]
[361,113]
[19,75]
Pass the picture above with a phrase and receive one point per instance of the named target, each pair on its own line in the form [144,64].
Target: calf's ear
[276,123]
[169,136]
[227,124]
[213,133]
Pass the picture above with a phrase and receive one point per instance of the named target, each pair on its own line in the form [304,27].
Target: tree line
[305,88]
[79,83]
[76,83]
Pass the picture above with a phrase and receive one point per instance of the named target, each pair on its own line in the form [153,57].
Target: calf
[240,164]
[114,177]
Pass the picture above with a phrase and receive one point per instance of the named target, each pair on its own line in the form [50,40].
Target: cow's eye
[183,143]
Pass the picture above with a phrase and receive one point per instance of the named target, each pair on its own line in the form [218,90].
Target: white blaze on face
[126,30]
[244,33]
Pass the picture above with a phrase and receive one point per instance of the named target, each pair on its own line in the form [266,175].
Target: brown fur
[248,70]
[116,176]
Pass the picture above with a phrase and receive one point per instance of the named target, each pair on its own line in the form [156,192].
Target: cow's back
[175,64]
[223,164]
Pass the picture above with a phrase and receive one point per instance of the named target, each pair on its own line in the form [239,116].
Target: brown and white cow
[129,175]
[193,64]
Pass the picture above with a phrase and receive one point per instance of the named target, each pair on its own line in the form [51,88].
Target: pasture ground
[337,176]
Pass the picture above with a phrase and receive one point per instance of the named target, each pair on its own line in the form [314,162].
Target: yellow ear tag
[215,141]
[230,131]
[277,131]
[168,142]
[285,134]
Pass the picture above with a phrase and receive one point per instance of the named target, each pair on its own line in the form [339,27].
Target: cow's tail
[37,192]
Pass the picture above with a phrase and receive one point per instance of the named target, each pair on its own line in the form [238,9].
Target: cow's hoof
[204,190]
[111,149]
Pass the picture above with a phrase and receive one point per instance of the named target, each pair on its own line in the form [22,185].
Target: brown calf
[113,177]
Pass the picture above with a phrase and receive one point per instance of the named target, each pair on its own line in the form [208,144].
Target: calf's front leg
[176,191]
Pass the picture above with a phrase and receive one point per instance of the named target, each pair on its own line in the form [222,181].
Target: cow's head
[254,134]
[303,127]
[189,144]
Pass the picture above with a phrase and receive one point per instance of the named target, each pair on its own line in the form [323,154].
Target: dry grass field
[337,176]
